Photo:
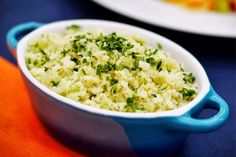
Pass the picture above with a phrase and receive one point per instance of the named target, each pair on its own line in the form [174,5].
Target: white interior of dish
[176,52]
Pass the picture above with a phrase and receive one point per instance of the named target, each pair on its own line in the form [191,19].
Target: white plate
[174,17]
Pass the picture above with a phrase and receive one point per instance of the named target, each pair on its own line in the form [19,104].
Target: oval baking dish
[140,134]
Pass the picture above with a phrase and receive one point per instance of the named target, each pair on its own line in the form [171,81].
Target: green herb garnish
[114,88]
[35,62]
[130,103]
[112,42]
[113,81]
[64,52]
[102,69]
[44,59]
[55,83]
[151,61]
[28,60]
[189,78]
[85,61]
[119,67]
[79,43]
[74,60]
[75,69]
[73,27]
[187,92]
[134,55]
[45,69]
[158,66]
[108,78]
[159,46]
[136,63]
[105,68]
[155,51]
[83,71]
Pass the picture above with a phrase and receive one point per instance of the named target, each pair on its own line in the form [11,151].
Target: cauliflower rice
[110,71]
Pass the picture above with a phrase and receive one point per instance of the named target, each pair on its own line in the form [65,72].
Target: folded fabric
[21,133]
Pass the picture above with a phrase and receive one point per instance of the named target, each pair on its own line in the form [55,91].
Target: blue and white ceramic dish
[142,134]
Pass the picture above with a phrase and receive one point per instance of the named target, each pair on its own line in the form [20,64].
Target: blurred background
[216,54]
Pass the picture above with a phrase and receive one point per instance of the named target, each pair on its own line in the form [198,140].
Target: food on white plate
[110,71]
[207,5]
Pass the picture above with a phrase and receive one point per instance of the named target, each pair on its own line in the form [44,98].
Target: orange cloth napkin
[21,133]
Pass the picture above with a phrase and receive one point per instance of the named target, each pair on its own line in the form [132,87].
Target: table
[217,55]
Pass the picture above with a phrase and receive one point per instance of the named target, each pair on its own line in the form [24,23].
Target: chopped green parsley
[189,78]
[112,42]
[73,27]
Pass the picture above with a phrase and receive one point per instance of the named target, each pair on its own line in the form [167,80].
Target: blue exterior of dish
[163,136]
[160,136]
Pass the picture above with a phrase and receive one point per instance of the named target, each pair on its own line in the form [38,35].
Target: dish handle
[188,123]
[17,31]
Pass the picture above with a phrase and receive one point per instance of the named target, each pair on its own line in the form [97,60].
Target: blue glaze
[153,138]
[212,100]
[16,31]
[163,136]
